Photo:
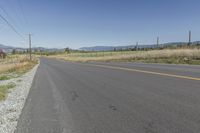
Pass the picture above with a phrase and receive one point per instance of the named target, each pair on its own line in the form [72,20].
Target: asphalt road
[112,98]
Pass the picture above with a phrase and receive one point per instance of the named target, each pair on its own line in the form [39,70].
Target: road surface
[112,98]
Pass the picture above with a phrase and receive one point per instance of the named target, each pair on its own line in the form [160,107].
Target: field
[15,65]
[175,56]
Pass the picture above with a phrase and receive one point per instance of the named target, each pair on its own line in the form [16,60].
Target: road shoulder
[11,107]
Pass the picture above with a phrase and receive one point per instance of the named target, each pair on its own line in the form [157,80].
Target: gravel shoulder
[10,109]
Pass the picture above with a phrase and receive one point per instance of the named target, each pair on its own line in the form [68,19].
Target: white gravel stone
[10,109]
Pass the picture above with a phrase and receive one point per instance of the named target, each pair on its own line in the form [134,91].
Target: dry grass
[184,56]
[6,67]
[17,64]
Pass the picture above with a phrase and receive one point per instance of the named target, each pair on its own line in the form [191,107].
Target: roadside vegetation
[185,55]
[4,90]
[15,65]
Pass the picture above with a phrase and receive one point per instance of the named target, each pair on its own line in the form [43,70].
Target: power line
[5,12]
[11,26]
[16,13]
[22,11]
[11,19]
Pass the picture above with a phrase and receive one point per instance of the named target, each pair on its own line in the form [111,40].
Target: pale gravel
[10,109]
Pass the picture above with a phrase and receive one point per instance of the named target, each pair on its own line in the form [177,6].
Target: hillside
[9,49]
[109,48]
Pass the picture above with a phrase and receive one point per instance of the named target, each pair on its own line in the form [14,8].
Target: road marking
[148,72]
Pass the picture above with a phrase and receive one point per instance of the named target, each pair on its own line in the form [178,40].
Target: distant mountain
[109,48]
[9,49]
[6,48]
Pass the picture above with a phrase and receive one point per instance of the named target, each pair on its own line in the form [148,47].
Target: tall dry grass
[189,56]
[16,63]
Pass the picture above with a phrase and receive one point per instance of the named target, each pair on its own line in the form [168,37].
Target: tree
[14,51]
[67,50]
[2,54]
[36,50]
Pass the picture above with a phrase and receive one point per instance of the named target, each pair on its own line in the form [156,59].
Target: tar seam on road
[148,72]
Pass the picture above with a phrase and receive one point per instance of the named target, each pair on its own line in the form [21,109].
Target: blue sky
[78,23]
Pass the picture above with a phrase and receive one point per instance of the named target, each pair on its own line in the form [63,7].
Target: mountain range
[95,48]
[109,48]
[9,49]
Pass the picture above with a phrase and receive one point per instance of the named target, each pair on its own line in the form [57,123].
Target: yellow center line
[148,72]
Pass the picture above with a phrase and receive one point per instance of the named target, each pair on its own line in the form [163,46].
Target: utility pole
[30,50]
[190,35]
[157,42]
[136,46]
